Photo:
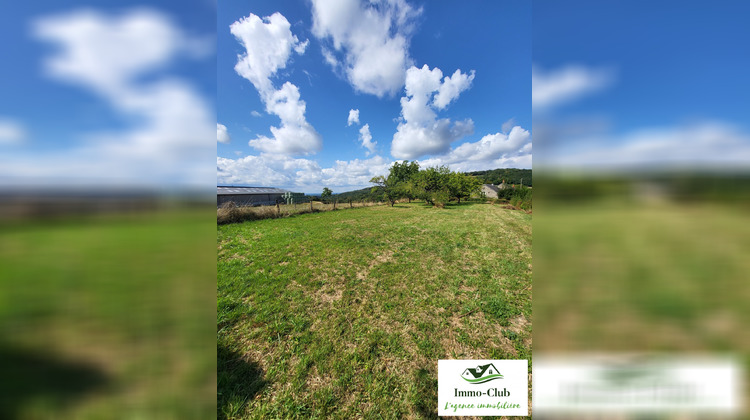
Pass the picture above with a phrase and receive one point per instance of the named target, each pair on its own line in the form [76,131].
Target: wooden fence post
[311,209]
[278,210]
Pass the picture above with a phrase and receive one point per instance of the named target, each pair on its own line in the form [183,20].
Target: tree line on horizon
[512,176]
[406,180]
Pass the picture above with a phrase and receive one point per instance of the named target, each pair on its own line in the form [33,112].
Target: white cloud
[296,135]
[567,84]
[11,132]
[373,37]
[255,114]
[492,151]
[300,174]
[353,117]
[713,145]
[330,58]
[300,48]
[420,132]
[508,125]
[109,54]
[222,136]
[452,87]
[366,138]
[268,46]
[105,52]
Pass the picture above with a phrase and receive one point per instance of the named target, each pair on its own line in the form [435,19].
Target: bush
[440,198]
[229,213]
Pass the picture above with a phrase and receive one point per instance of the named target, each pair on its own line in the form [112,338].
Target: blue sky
[479,119]
[120,93]
[654,83]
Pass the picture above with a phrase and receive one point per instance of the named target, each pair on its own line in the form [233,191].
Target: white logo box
[483,387]
[587,384]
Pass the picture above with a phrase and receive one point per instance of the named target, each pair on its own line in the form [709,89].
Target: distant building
[255,196]
[490,191]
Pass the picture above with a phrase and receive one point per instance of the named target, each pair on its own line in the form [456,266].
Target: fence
[231,213]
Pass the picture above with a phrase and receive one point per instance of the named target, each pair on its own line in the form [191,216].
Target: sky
[312,94]
[114,94]
[653,85]
[306,97]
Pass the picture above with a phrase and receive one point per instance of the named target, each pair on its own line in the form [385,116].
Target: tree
[461,185]
[385,187]
[401,177]
[433,184]
[399,182]
[326,194]
[403,172]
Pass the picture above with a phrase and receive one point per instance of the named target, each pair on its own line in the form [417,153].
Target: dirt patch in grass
[329,294]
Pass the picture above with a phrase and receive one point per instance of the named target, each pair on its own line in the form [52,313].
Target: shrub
[229,213]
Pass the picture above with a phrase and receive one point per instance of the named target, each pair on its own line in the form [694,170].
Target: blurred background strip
[642,173]
[107,239]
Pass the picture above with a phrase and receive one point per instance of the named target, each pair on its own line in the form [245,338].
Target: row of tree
[435,185]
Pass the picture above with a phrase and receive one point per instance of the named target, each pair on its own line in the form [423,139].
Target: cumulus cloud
[11,131]
[222,135]
[300,174]
[296,135]
[109,54]
[451,88]
[497,150]
[372,37]
[268,44]
[549,89]
[420,132]
[353,117]
[366,138]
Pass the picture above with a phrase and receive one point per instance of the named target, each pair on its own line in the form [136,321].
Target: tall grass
[231,213]
[519,197]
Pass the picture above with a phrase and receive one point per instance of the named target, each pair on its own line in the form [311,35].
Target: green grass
[108,317]
[344,314]
[632,276]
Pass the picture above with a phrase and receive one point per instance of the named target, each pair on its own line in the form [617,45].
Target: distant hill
[357,195]
[510,175]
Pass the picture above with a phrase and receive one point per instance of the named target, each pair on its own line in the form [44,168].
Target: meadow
[627,275]
[108,316]
[344,314]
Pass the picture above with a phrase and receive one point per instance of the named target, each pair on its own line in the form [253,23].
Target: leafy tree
[461,185]
[401,177]
[409,189]
[386,188]
[433,184]
[399,182]
[403,172]
[326,194]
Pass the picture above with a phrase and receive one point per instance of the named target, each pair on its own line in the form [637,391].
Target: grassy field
[344,314]
[108,317]
[633,276]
